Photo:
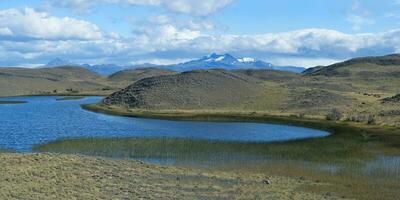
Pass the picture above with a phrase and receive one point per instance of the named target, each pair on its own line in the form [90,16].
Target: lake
[43,119]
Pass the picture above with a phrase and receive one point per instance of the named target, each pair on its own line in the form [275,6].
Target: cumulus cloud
[193,7]
[163,40]
[27,23]
[310,45]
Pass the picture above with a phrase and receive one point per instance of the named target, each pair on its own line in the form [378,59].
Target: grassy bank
[317,122]
[50,176]
[341,159]
[337,160]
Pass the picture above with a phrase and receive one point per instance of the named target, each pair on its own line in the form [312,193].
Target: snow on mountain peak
[246,60]
[219,58]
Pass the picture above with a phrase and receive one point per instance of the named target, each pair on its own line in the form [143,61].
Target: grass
[339,148]
[53,176]
[12,102]
[350,148]
[306,158]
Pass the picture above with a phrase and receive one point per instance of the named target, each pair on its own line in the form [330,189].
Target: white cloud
[31,24]
[301,61]
[164,40]
[359,16]
[193,7]
[304,47]
[5,31]
[161,61]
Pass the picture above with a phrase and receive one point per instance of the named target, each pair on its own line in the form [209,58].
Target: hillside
[356,88]
[356,66]
[67,79]
[204,89]
[132,75]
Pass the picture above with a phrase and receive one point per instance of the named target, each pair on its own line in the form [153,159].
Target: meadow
[357,161]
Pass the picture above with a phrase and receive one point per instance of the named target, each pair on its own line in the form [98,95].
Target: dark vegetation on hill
[393,99]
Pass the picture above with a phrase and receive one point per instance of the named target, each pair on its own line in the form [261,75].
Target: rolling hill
[132,75]
[202,89]
[363,66]
[66,79]
[356,88]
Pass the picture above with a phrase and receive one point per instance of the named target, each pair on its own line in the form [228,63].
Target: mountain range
[222,61]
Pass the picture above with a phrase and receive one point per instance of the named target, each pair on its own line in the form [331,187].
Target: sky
[126,32]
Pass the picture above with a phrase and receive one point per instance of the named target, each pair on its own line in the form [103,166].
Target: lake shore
[317,122]
[12,102]
[70,98]
[54,176]
[351,144]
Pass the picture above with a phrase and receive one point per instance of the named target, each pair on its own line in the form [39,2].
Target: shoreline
[348,142]
[350,147]
[57,95]
[227,116]
[12,102]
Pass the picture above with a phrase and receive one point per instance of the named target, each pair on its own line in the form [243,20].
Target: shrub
[334,115]
[369,119]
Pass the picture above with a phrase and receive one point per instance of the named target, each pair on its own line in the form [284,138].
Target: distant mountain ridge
[102,69]
[212,61]
[229,62]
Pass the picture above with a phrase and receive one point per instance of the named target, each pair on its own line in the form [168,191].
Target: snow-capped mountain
[227,61]
[223,61]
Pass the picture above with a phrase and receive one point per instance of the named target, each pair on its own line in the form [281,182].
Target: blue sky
[285,32]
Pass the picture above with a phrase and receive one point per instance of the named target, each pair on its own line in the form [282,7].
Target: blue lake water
[44,119]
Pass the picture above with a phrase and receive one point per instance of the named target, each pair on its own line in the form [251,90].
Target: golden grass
[50,176]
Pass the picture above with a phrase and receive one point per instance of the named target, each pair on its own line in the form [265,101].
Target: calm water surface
[44,119]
